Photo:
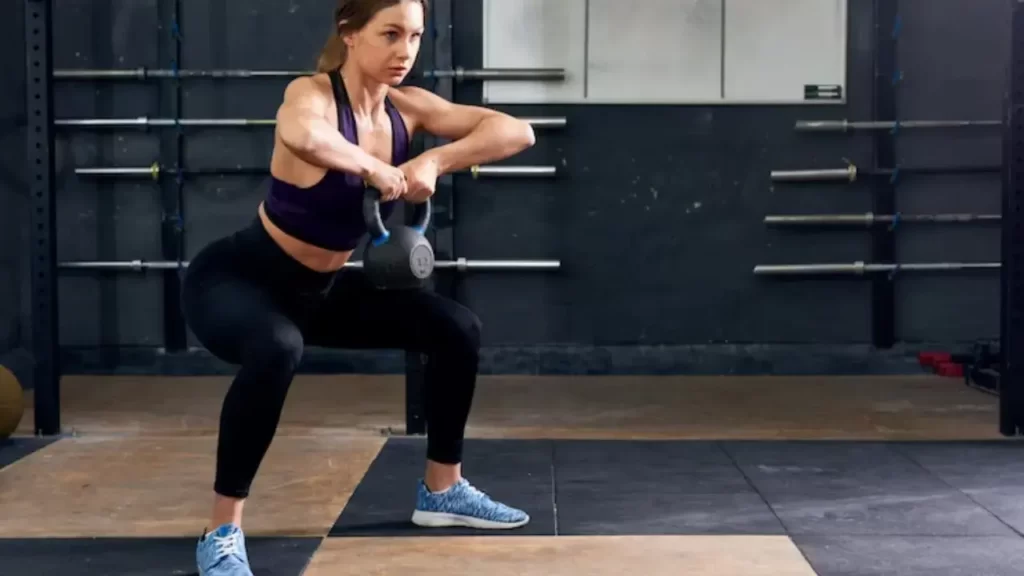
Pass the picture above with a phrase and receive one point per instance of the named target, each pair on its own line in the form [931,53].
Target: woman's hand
[421,175]
[391,181]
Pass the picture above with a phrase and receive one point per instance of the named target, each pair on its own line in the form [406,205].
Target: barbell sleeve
[869,219]
[820,219]
[460,265]
[830,174]
[847,126]
[547,122]
[119,171]
[513,171]
[145,122]
[552,74]
[862,268]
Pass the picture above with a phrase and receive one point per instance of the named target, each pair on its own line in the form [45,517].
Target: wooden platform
[650,407]
[128,487]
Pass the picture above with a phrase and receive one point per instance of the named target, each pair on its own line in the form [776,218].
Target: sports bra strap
[347,122]
[341,100]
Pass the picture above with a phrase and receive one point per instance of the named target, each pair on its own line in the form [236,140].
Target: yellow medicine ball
[12,405]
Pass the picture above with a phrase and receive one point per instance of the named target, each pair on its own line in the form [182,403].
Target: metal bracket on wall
[43,233]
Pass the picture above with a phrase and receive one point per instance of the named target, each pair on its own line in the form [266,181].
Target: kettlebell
[400,258]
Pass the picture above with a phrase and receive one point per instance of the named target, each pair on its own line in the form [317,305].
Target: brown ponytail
[333,55]
[349,16]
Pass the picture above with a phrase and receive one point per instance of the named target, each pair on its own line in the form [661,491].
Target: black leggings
[251,304]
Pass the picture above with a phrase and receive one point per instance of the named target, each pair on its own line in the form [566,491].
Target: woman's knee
[274,352]
[456,329]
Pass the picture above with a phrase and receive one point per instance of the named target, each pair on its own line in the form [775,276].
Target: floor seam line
[554,486]
[914,461]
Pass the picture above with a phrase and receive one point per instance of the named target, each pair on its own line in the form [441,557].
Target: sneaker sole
[445,520]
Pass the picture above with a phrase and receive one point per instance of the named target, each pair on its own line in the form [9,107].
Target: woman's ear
[346,37]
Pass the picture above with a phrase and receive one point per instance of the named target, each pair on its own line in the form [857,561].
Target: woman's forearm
[315,141]
[495,138]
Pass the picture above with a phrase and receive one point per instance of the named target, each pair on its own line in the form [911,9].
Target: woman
[257,297]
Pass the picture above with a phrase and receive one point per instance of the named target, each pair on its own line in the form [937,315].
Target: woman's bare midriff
[312,257]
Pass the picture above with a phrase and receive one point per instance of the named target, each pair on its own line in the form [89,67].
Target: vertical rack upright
[1011,328]
[43,203]
[172,146]
[883,240]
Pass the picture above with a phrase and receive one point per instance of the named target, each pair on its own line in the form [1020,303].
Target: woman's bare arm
[479,135]
[303,128]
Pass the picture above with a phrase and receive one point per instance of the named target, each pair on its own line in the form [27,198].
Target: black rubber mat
[912,555]
[685,487]
[14,449]
[518,473]
[846,488]
[990,473]
[144,556]
[625,488]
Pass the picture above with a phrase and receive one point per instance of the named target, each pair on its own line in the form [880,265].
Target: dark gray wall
[954,59]
[657,216]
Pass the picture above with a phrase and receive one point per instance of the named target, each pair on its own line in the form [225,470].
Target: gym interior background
[654,326]
[656,213]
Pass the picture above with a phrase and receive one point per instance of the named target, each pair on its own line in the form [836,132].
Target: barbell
[870,219]
[862,268]
[457,265]
[851,173]
[847,126]
[146,122]
[459,74]
[155,171]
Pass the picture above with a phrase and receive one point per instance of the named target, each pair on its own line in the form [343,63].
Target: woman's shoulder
[315,83]
[415,102]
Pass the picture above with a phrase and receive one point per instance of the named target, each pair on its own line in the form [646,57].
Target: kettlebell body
[400,258]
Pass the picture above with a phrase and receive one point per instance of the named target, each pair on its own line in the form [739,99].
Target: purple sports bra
[329,214]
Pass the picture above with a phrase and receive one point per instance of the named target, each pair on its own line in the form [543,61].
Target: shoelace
[473,491]
[229,545]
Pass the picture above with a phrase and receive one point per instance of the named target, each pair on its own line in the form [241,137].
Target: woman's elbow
[529,138]
[522,135]
[296,138]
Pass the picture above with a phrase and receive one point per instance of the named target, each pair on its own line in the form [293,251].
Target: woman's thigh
[355,314]
[230,313]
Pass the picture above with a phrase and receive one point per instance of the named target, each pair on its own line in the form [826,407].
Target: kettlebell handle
[375,224]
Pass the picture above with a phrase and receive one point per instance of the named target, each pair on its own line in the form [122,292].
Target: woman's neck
[366,96]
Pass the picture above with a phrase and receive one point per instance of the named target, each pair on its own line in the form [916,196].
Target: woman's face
[386,48]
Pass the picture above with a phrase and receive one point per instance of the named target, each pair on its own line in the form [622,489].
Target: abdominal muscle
[286,166]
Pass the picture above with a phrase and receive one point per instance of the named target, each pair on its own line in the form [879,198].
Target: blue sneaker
[464,505]
[222,553]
